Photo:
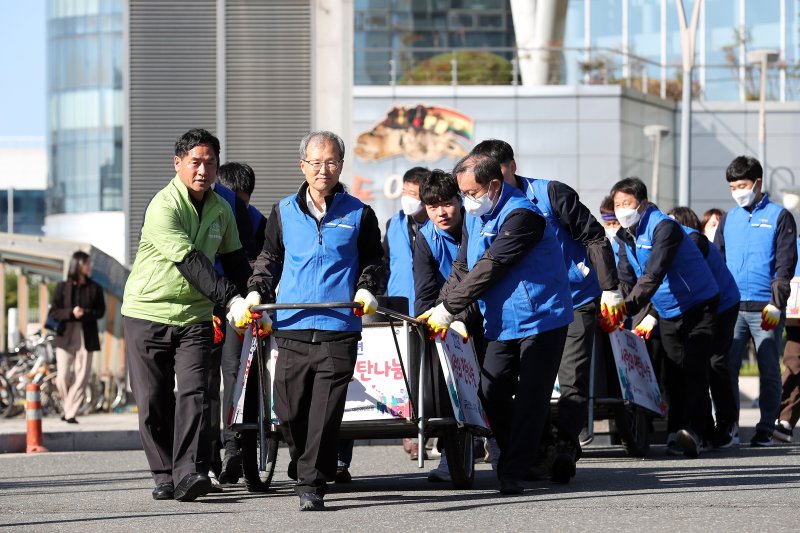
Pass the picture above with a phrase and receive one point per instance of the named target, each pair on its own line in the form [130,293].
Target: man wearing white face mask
[510,263]
[398,240]
[672,275]
[758,241]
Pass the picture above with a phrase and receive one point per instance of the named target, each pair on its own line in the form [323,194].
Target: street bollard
[33,415]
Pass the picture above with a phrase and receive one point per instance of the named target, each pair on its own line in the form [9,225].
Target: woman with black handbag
[77,304]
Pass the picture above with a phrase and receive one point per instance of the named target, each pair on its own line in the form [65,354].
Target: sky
[22,64]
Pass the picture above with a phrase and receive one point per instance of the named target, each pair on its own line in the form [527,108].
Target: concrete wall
[724,130]
[586,136]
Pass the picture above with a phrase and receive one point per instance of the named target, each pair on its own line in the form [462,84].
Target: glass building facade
[85,92]
[28,211]
[605,41]
[392,36]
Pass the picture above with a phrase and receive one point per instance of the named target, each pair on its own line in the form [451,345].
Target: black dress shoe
[343,475]
[192,486]
[164,491]
[311,502]
[71,420]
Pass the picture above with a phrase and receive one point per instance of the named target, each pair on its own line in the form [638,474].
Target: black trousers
[719,377]
[573,374]
[311,380]
[688,342]
[171,425]
[230,357]
[516,384]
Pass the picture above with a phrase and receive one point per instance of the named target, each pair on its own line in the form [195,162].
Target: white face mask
[627,216]
[611,233]
[478,207]
[411,206]
[744,197]
[710,233]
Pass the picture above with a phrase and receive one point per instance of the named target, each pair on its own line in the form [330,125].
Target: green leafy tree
[474,68]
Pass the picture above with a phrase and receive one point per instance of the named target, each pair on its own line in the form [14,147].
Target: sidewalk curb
[77,441]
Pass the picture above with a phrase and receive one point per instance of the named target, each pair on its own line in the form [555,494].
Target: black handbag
[54,325]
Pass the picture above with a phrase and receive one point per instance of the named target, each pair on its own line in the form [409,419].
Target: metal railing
[507,66]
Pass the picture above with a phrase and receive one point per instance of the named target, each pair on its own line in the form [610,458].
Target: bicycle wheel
[633,426]
[255,479]
[458,444]
[6,396]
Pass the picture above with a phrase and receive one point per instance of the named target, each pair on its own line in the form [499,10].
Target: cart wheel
[254,479]
[634,429]
[460,457]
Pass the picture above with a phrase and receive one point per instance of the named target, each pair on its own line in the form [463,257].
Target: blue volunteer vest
[321,264]
[583,281]
[255,218]
[750,248]
[444,249]
[230,197]
[688,281]
[728,291]
[401,268]
[533,296]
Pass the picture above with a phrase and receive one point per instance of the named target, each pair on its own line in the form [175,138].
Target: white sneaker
[441,472]
[494,452]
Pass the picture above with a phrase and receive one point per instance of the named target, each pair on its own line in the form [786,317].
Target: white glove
[438,319]
[266,323]
[253,298]
[460,328]
[370,304]
[612,307]
[238,313]
[646,326]
[770,316]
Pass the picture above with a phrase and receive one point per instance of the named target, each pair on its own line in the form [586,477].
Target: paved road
[745,489]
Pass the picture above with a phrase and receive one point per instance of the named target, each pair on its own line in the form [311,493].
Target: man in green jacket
[167,310]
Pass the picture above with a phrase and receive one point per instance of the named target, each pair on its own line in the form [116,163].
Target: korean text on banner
[462,375]
[636,377]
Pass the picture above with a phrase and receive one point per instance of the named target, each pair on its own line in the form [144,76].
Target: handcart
[623,390]
[425,411]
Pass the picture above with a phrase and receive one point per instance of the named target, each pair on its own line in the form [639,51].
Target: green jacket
[156,290]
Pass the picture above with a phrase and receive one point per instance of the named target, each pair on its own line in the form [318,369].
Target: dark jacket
[89,296]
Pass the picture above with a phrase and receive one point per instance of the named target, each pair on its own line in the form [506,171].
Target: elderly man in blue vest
[321,245]
[594,286]
[672,275]
[509,262]
[758,240]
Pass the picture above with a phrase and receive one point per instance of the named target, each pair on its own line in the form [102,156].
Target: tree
[473,68]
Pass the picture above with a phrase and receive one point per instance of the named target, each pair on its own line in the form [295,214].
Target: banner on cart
[462,375]
[793,305]
[636,377]
[378,390]
[246,361]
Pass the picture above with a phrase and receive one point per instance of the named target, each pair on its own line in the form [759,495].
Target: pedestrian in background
[710,223]
[77,305]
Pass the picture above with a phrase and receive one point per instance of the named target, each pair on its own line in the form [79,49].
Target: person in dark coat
[77,304]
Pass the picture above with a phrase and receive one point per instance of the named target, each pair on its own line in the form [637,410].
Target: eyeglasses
[330,165]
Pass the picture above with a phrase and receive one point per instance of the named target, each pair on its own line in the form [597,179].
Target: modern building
[85,73]
[571,84]
[23,179]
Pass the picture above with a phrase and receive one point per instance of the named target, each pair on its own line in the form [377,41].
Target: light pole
[688,33]
[763,58]
[655,132]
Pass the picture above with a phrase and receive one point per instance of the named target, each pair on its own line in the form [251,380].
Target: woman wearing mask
[77,304]
[710,222]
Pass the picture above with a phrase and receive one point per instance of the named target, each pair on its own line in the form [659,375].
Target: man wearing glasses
[321,245]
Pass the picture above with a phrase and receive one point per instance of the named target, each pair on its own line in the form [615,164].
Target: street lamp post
[763,58]
[688,33]
[655,132]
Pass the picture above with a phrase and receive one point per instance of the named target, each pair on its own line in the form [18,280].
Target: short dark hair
[78,258]
[415,175]
[744,168]
[438,186]
[707,216]
[633,186]
[238,177]
[483,167]
[607,205]
[195,137]
[498,150]
[685,217]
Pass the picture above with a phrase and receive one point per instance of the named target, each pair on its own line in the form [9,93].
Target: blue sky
[22,63]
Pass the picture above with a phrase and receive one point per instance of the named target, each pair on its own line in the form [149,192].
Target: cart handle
[335,305]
